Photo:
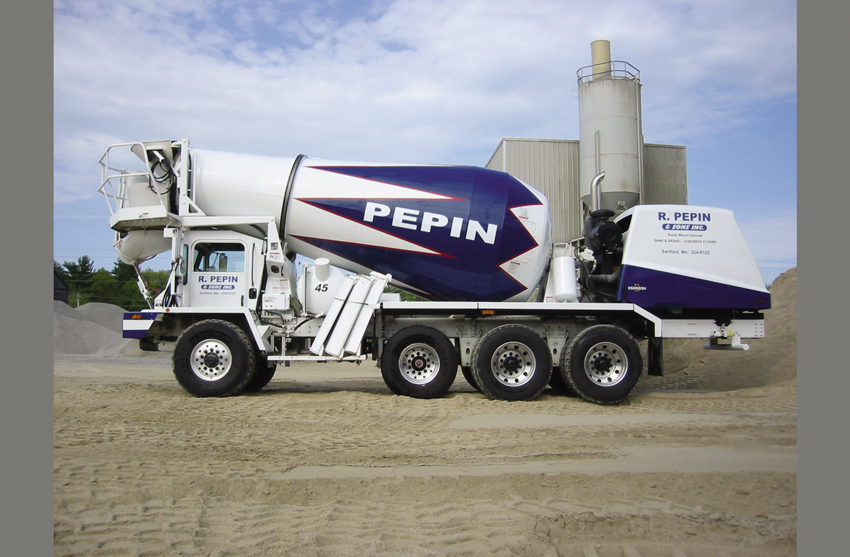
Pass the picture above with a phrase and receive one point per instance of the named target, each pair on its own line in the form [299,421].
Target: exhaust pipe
[596,191]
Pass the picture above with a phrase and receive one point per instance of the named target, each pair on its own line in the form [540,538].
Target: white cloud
[424,79]
[403,80]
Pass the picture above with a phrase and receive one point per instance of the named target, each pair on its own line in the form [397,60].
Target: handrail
[110,173]
[614,69]
[119,197]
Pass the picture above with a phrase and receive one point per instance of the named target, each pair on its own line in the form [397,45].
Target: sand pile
[92,329]
[769,361]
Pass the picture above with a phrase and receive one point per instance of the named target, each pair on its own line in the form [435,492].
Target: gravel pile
[91,329]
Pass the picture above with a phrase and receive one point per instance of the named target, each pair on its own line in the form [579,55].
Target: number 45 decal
[322,287]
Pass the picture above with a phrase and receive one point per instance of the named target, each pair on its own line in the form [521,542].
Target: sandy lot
[327,462]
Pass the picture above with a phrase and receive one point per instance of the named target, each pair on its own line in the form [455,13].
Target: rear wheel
[602,364]
[512,362]
[558,384]
[470,378]
[213,358]
[420,362]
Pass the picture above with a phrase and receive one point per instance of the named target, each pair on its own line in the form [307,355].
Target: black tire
[559,384]
[419,362]
[602,364]
[213,358]
[512,362]
[470,378]
[263,373]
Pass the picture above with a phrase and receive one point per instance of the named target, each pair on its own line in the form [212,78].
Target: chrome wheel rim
[513,364]
[211,360]
[419,364]
[606,364]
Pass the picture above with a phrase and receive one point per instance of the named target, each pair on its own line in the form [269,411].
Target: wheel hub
[211,360]
[513,364]
[606,364]
[419,363]
[601,364]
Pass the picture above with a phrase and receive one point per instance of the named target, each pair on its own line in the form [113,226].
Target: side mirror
[183,265]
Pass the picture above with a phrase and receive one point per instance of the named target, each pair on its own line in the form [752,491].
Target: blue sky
[425,81]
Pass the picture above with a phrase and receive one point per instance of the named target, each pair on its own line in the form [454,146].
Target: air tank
[610,130]
[443,232]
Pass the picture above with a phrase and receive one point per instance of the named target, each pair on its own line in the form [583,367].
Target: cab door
[218,277]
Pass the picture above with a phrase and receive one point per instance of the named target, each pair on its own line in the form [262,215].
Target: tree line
[118,286]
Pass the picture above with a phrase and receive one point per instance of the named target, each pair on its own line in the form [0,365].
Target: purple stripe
[648,288]
[146,317]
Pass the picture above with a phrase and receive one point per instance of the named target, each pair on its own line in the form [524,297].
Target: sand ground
[327,462]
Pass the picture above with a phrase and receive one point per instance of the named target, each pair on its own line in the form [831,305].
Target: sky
[424,81]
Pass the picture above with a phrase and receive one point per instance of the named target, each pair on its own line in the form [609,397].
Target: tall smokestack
[600,52]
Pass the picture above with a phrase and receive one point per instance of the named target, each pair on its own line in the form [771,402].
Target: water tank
[610,130]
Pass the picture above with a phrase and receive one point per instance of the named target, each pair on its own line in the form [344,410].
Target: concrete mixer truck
[285,260]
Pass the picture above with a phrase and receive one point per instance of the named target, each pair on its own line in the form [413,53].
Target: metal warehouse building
[552,167]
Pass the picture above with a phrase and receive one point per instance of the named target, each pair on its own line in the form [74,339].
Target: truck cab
[221,270]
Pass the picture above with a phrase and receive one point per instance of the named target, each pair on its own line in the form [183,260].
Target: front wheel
[213,358]
[263,373]
[420,362]
[602,364]
[512,362]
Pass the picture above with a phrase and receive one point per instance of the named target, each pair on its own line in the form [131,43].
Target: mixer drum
[443,232]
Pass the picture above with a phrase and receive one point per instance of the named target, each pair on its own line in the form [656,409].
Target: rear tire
[512,362]
[559,385]
[603,364]
[419,362]
[470,378]
[213,358]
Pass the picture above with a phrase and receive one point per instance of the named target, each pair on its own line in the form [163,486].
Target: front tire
[419,362]
[213,358]
[512,362]
[263,373]
[602,364]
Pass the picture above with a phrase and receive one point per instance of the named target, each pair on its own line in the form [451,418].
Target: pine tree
[80,277]
[123,272]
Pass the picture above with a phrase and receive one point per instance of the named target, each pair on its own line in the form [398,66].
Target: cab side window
[219,257]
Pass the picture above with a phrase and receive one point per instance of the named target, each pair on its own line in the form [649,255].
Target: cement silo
[610,130]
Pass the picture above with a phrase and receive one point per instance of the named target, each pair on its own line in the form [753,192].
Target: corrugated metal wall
[665,174]
[552,167]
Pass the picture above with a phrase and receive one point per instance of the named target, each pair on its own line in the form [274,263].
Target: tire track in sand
[142,469]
